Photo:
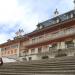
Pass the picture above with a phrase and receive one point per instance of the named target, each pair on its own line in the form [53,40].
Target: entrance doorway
[30,58]
[60,53]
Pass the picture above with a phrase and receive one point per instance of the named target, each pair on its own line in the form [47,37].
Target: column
[74,42]
[18,50]
[74,46]
[0,52]
[62,45]
[59,45]
[36,50]
[29,52]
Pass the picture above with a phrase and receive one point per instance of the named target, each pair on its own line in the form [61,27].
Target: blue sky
[26,14]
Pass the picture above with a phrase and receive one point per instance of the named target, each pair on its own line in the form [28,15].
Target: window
[33,40]
[58,20]
[69,44]
[14,46]
[55,34]
[40,36]
[2,49]
[25,52]
[40,50]
[8,52]
[5,52]
[32,51]
[8,47]
[69,30]
[71,15]
[40,27]
[52,47]
[11,51]
[2,53]
[15,51]
[63,17]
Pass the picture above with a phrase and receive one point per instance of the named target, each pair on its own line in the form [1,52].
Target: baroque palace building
[52,38]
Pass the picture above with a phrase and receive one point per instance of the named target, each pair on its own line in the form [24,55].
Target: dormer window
[71,15]
[57,20]
[74,14]
[40,27]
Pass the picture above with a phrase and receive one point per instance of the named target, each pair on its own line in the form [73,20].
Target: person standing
[1,61]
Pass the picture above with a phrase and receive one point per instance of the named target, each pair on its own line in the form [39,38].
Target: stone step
[42,72]
[5,73]
[23,67]
[43,69]
[34,74]
[56,66]
[62,59]
[68,63]
[44,65]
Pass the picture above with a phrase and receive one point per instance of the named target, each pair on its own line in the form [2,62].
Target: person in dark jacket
[1,61]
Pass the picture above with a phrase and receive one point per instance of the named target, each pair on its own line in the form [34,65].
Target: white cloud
[10,11]
[3,38]
[15,14]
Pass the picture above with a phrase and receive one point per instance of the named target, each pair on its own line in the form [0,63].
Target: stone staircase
[56,66]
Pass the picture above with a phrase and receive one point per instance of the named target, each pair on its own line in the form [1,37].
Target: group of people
[1,61]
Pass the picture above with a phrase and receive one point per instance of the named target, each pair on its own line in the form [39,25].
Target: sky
[26,14]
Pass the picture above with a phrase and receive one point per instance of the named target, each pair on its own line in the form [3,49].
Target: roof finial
[19,32]
[56,13]
[74,4]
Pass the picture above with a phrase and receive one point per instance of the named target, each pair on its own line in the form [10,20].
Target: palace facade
[52,38]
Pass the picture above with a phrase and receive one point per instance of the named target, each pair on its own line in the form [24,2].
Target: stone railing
[51,36]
